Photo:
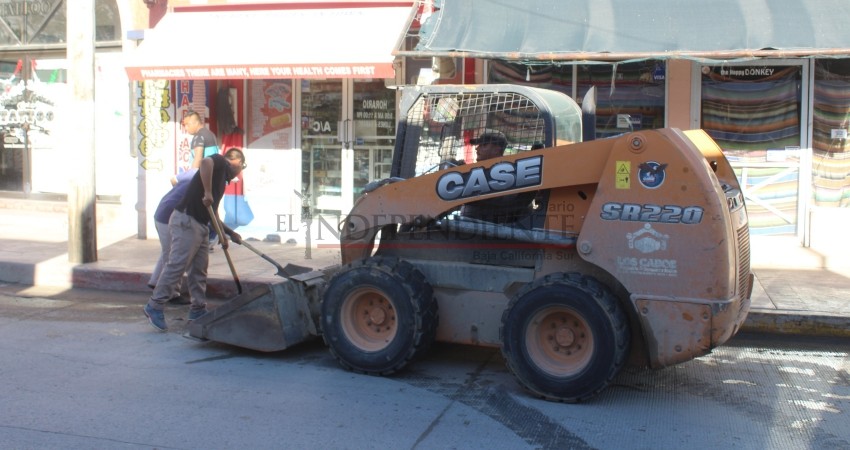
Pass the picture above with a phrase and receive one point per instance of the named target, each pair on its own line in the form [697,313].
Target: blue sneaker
[156,318]
[196,314]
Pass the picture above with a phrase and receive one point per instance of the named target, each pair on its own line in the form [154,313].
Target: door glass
[753,112]
[11,132]
[374,132]
[321,106]
[11,167]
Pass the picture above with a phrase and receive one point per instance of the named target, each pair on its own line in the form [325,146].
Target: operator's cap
[490,136]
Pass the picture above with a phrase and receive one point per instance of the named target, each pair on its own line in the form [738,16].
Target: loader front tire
[564,337]
[377,315]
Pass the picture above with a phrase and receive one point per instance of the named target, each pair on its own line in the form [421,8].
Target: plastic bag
[237,212]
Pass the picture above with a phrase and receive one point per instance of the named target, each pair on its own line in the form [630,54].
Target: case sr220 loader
[632,249]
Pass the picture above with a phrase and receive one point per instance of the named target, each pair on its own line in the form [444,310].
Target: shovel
[217,226]
[286,272]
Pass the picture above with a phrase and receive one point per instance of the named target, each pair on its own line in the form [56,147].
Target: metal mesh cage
[446,123]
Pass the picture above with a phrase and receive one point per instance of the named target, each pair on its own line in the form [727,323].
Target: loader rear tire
[378,314]
[564,337]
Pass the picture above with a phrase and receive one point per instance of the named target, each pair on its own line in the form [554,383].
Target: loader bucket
[268,318]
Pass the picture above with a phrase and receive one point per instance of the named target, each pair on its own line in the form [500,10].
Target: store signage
[26,8]
[378,70]
[25,113]
[24,121]
[319,126]
[749,73]
[377,110]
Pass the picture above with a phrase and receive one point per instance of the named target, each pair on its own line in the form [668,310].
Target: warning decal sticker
[623,179]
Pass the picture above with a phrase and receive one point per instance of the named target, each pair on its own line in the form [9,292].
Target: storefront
[308,88]
[768,82]
[34,143]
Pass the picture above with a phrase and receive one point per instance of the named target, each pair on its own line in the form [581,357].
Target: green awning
[617,30]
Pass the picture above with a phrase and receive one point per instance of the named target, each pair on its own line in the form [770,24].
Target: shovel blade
[290,270]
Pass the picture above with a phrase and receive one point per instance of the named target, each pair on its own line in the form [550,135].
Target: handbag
[237,212]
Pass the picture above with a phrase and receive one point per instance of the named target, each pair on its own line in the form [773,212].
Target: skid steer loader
[632,249]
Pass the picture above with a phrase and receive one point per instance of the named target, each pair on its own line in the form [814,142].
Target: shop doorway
[756,112]
[347,138]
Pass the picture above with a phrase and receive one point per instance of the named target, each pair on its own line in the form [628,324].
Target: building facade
[36,144]
[306,89]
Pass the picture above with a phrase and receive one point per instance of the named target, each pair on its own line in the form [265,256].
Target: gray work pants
[165,249]
[189,253]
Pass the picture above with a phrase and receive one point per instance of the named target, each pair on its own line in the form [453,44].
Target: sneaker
[179,299]
[196,314]
[156,318]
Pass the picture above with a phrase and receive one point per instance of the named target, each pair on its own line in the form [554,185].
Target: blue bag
[237,212]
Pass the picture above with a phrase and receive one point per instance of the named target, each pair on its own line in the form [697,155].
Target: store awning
[271,43]
[615,30]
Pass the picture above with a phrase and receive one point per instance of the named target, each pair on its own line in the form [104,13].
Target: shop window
[31,94]
[753,112]
[630,96]
[34,96]
[831,120]
[269,123]
[374,132]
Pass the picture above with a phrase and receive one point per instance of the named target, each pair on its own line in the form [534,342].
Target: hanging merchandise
[224,113]
[237,212]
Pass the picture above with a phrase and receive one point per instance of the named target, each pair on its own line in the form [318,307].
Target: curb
[224,288]
[784,323]
[133,281]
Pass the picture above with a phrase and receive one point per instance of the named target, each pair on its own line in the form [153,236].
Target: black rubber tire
[564,337]
[378,314]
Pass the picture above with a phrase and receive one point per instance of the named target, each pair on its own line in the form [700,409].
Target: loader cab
[440,126]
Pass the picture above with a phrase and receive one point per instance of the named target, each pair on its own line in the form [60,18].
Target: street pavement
[798,290]
[82,369]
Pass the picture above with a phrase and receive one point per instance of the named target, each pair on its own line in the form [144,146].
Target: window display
[630,96]
[270,114]
[831,124]
[753,112]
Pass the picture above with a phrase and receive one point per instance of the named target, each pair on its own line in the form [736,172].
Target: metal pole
[82,215]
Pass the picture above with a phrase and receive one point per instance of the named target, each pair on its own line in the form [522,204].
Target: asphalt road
[83,369]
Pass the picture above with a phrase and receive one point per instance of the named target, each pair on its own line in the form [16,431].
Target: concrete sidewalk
[798,290]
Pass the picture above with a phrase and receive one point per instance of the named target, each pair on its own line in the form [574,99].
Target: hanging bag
[237,212]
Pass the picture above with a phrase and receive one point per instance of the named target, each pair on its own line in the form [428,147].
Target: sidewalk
[797,291]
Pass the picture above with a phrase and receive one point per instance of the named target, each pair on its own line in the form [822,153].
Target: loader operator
[189,228]
[507,208]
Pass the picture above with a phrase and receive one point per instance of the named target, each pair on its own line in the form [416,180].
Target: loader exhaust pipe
[588,115]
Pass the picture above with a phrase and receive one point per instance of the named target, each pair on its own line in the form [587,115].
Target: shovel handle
[217,226]
[280,268]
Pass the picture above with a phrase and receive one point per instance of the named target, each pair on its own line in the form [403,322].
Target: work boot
[156,318]
[195,314]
